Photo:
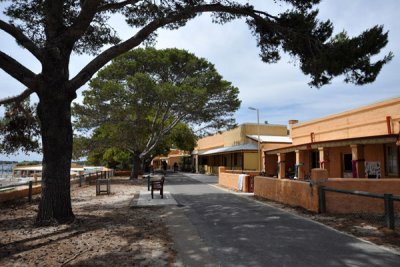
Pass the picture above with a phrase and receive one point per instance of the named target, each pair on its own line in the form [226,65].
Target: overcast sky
[280,91]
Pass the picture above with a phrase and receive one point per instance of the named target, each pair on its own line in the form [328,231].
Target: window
[391,155]
[347,164]
[314,159]
[224,160]
[235,159]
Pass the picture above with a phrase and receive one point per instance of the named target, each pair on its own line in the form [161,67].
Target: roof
[244,147]
[383,139]
[30,168]
[271,139]
[160,157]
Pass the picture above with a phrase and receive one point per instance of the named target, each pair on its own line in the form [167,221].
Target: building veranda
[360,143]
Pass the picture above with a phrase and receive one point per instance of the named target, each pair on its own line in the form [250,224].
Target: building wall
[374,152]
[250,161]
[230,179]
[172,160]
[301,194]
[238,135]
[343,203]
[208,169]
[362,122]
[294,193]
[269,146]
[210,142]
[271,165]
[234,137]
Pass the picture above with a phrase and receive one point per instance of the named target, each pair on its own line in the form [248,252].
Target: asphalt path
[214,227]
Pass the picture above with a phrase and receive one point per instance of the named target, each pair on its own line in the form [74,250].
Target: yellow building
[237,149]
[360,143]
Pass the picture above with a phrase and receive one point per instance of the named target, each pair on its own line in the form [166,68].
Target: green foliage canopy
[19,129]
[141,96]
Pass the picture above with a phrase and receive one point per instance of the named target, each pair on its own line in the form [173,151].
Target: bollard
[30,192]
[389,211]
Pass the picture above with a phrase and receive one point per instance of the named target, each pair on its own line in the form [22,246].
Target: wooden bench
[157,185]
[99,183]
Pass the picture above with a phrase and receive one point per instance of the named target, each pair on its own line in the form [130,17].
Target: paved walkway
[212,227]
[146,200]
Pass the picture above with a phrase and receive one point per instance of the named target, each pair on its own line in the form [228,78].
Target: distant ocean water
[6,178]
[6,168]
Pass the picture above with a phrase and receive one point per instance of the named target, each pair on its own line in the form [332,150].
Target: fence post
[80,180]
[389,211]
[322,200]
[148,182]
[30,192]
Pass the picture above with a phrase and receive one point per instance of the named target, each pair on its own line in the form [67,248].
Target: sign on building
[372,169]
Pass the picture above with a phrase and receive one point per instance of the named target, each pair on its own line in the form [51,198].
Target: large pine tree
[142,95]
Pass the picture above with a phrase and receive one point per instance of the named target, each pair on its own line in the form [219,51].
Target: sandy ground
[107,231]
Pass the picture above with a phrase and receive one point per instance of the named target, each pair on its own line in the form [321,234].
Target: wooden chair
[157,185]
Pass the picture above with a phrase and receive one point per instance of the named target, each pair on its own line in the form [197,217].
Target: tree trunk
[136,166]
[54,112]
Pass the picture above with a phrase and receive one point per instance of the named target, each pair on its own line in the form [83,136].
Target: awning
[271,139]
[384,139]
[230,149]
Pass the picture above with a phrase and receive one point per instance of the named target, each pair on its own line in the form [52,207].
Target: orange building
[237,149]
[360,143]
[175,157]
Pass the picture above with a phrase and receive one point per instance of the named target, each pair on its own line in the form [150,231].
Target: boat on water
[23,174]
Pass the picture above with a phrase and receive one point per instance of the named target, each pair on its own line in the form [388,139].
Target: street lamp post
[258,133]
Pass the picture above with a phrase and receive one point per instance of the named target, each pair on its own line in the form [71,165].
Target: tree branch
[82,22]
[163,132]
[92,67]
[19,98]
[54,18]
[153,123]
[265,14]
[21,39]
[115,6]
[17,70]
